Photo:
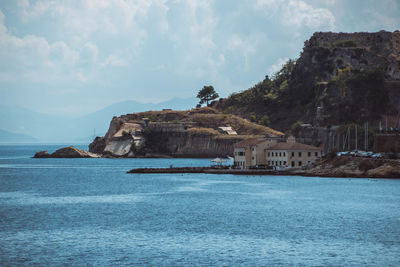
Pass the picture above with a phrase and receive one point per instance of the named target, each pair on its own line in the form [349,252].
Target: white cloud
[196,40]
[92,35]
[3,28]
[299,14]
[114,60]
[34,57]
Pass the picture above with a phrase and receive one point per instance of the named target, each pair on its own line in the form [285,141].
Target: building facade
[291,154]
[251,152]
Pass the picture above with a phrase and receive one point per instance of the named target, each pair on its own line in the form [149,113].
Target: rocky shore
[67,152]
[348,166]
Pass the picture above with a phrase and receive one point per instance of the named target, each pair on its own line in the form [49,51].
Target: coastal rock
[67,152]
[118,148]
[73,152]
[346,166]
[98,145]
[386,170]
[42,154]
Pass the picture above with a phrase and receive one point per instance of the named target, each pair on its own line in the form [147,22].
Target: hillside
[347,77]
[190,133]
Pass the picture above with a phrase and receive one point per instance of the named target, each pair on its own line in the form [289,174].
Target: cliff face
[358,51]
[339,78]
[192,133]
[187,144]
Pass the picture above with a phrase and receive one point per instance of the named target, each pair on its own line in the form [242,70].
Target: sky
[72,57]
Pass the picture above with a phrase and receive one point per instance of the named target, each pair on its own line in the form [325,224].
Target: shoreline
[208,170]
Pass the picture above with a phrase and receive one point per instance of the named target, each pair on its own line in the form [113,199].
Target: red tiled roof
[249,142]
[292,146]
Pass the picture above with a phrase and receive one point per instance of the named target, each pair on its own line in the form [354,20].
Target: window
[309,154]
[284,163]
[299,163]
[252,148]
[241,153]
[268,154]
[284,154]
[235,153]
[293,164]
[268,162]
[292,154]
[280,154]
[299,154]
[316,154]
[280,163]
[308,162]
[252,158]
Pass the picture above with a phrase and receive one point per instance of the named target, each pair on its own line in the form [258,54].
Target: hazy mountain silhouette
[10,137]
[54,128]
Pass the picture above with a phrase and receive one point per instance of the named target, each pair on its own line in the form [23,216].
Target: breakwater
[207,170]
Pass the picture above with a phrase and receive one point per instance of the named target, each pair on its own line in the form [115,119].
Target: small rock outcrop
[42,154]
[67,152]
[347,166]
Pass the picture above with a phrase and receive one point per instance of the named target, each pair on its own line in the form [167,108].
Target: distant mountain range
[24,125]
[9,137]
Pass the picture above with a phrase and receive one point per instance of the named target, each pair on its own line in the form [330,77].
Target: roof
[249,142]
[292,146]
[228,130]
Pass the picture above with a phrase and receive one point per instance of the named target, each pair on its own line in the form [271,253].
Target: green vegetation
[294,93]
[202,131]
[345,43]
[207,94]
[204,120]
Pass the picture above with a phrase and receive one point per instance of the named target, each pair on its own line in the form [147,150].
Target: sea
[90,212]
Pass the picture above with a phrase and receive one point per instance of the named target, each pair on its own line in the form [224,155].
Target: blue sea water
[90,212]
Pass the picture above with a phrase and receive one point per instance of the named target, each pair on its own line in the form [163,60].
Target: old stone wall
[186,144]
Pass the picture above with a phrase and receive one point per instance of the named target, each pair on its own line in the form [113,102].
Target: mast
[367,137]
[356,145]
[348,144]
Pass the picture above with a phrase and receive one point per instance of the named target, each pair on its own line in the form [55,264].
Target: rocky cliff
[339,80]
[357,51]
[347,77]
[191,133]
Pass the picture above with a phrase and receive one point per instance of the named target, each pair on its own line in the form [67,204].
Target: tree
[207,94]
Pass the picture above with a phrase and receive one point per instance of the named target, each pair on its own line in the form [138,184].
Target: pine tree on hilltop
[207,94]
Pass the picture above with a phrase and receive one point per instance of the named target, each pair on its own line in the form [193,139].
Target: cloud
[299,14]
[33,57]
[92,36]
[195,42]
